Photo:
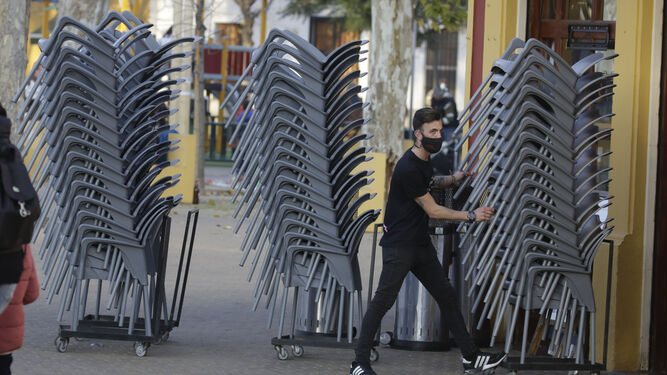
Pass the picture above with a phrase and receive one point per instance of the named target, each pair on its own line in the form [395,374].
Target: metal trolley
[547,363]
[162,320]
[323,340]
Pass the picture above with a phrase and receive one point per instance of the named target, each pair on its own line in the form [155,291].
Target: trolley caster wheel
[61,344]
[281,352]
[386,338]
[297,350]
[141,348]
[374,355]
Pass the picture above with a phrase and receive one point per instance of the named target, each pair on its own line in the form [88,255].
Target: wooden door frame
[556,29]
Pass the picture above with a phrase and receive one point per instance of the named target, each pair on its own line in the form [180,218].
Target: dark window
[328,33]
[230,30]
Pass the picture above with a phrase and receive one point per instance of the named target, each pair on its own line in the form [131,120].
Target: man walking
[406,246]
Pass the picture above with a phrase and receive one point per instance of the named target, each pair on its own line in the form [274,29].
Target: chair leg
[147,313]
[570,328]
[580,337]
[547,323]
[350,315]
[135,308]
[295,305]
[592,331]
[283,309]
[341,312]
[524,338]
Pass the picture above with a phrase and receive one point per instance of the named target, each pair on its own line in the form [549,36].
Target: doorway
[576,29]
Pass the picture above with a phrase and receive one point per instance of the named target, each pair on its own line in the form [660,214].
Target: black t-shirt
[405,222]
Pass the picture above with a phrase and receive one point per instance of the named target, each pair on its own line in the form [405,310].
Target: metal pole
[610,269]
[45,19]
[412,69]
[370,277]
[262,30]
[223,71]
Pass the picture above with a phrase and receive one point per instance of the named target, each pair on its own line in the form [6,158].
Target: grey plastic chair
[97,119]
[532,130]
[298,158]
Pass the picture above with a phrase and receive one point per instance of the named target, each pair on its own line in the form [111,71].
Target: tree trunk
[246,30]
[183,26]
[15,16]
[388,76]
[88,12]
[199,103]
[248,20]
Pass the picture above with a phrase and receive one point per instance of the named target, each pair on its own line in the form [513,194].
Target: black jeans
[5,364]
[424,264]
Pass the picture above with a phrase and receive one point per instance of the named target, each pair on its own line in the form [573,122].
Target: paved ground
[218,178]
[219,334]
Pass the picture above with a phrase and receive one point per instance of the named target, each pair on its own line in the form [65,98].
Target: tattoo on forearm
[441,181]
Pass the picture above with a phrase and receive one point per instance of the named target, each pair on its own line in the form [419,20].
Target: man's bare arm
[445,181]
[436,211]
[442,181]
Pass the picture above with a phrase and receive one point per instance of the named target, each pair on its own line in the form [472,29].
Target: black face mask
[431,145]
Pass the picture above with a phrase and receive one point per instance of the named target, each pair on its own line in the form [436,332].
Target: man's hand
[436,211]
[483,213]
[460,175]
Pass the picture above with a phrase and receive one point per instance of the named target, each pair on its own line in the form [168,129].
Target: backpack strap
[15,179]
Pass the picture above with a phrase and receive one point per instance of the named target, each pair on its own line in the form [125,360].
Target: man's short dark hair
[2,111]
[424,115]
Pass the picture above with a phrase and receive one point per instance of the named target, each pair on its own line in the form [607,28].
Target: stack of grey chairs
[95,126]
[533,139]
[297,165]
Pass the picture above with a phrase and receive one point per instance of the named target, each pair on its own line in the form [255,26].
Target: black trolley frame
[96,326]
[545,363]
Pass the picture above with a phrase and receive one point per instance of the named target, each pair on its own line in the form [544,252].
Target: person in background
[248,113]
[12,320]
[443,102]
[164,136]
